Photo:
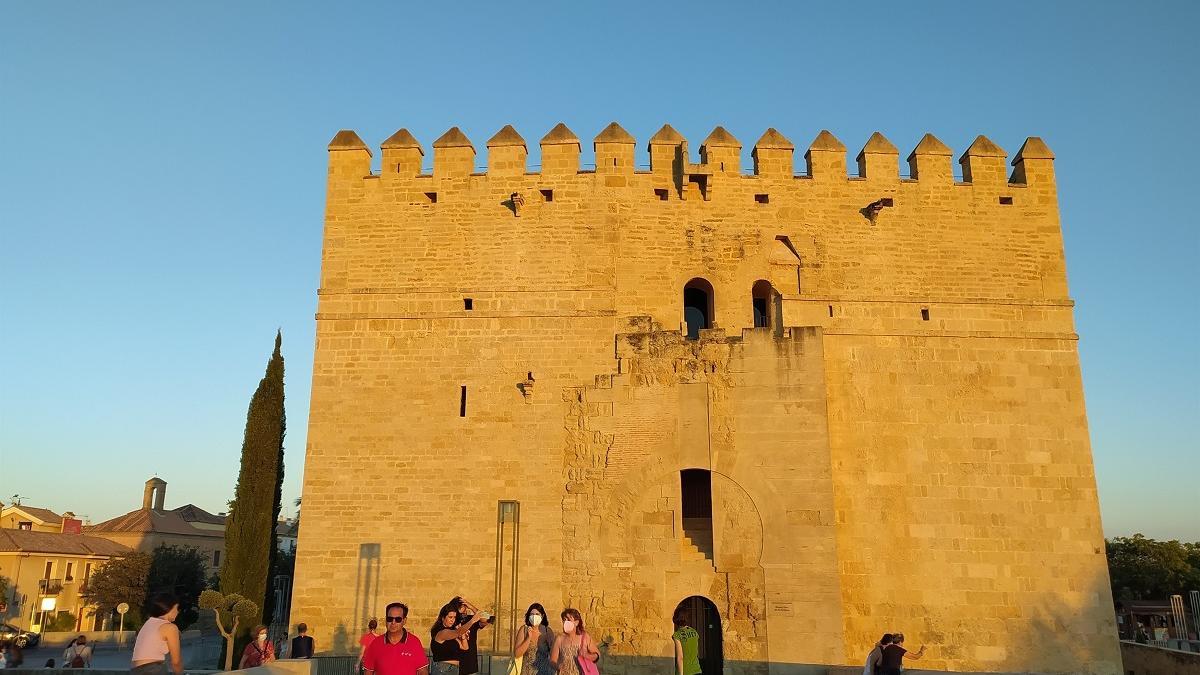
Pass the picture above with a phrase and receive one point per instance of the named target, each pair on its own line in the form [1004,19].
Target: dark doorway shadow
[702,615]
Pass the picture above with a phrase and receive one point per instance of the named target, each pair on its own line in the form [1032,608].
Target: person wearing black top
[303,646]
[449,641]
[891,659]
[469,615]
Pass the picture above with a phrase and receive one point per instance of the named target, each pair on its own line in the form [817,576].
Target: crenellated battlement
[454,156]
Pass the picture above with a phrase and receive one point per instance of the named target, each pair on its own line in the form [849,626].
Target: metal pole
[121,634]
[512,620]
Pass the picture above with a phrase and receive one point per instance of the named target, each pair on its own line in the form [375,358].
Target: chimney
[155,494]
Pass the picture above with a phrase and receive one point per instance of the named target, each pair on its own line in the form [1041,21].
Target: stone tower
[803,409]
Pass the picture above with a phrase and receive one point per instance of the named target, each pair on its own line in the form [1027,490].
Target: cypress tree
[250,549]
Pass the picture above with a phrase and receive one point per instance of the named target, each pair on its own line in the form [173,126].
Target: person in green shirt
[687,645]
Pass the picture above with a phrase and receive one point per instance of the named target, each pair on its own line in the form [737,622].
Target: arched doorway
[697,306]
[702,615]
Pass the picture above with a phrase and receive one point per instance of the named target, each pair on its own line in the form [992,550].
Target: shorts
[444,668]
[156,668]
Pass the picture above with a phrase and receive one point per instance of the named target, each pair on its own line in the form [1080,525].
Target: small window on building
[697,306]
[661,193]
[25,525]
[462,401]
[762,199]
[468,304]
[762,302]
[216,558]
[70,575]
[1006,201]
[431,197]
[924,313]
[547,195]
[49,569]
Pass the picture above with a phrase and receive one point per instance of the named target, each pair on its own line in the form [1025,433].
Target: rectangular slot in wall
[1006,201]
[661,193]
[468,304]
[462,401]
[762,199]
[887,201]
[831,310]
[924,313]
[547,195]
[431,197]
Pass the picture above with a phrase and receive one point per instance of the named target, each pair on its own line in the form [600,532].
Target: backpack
[77,660]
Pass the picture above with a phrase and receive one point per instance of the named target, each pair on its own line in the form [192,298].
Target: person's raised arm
[915,655]
[170,634]
[522,642]
[678,656]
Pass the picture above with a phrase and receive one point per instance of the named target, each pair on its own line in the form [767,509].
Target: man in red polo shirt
[397,651]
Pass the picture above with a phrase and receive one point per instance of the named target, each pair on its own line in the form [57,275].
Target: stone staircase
[697,540]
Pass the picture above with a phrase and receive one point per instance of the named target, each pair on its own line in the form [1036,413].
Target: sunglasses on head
[394,619]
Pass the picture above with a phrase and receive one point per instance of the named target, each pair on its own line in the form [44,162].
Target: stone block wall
[904,447]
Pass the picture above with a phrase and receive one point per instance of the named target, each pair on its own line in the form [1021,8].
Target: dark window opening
[216,558]
[468,304]
[763,304]
[831,310]
[697,307]
[887,201]
[661,193]
[547,195]
[462,401]
[924,313]
[762,199]
[696,489]
[761,319]
[25,525]
[49,570]
[700,182]
[1007,201]
[432,197]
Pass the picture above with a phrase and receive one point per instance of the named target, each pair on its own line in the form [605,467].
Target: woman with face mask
[533,643]
[260,651]
[574,643]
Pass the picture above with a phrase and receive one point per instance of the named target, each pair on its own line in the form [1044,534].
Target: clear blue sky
[162,184]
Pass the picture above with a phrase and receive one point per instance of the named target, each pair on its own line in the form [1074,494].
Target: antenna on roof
[16,500]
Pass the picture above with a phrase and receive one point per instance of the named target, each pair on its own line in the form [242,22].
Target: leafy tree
[62,621]
[1145,569]
[120,580]
[178,570]
[230,611]
[250,550]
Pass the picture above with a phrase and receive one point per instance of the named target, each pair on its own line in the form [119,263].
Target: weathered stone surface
[904,447]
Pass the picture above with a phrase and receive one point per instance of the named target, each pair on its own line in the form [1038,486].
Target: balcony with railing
[50,586]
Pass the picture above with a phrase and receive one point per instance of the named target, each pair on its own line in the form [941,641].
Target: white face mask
[568,626]
[535,619]
[262,637]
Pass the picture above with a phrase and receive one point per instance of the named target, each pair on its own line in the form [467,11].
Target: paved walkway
[198,654]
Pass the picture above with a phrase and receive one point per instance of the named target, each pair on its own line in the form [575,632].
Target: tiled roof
[26,541]
[149,520]
[194,514]
[45,515]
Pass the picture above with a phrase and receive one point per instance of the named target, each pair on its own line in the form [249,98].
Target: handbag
[586,666]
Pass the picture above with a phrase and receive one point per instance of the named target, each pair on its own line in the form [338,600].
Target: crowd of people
[78,654]
[887,657]
[453,644]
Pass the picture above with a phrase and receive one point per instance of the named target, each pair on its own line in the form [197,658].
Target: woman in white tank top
[158,639]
